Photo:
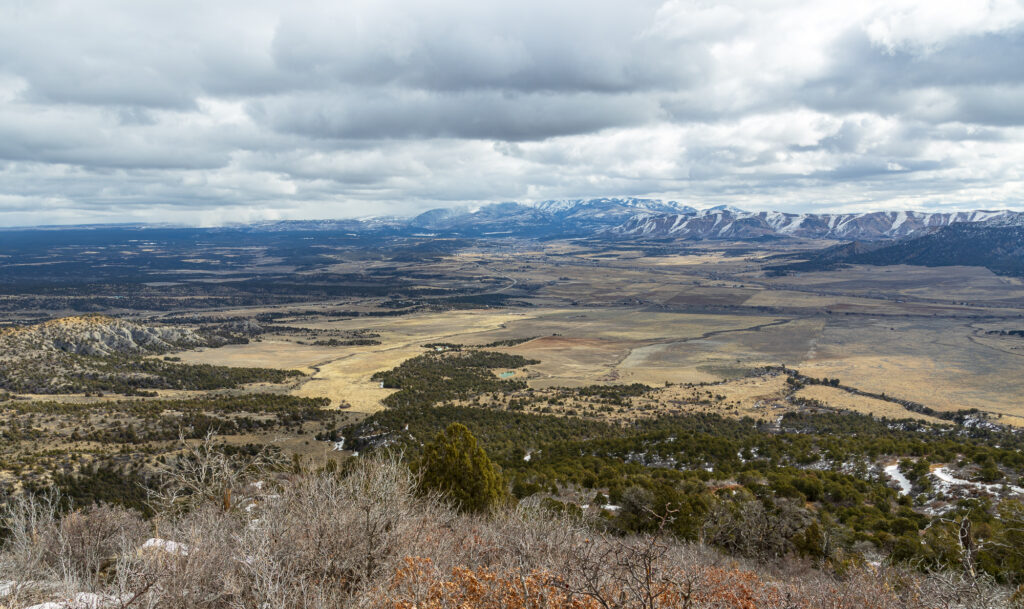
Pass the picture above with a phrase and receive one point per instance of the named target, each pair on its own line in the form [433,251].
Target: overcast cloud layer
[209,112]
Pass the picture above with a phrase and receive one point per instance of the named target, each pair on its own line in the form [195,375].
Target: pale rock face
[99,335]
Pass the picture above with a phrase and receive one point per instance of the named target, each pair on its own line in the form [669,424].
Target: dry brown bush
[366,539]
[53,553]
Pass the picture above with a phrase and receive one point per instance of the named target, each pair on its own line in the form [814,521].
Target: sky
[205,113]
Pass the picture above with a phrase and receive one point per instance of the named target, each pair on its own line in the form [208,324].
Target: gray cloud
[205,112]
[474,114]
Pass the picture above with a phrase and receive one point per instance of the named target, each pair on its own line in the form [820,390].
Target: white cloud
[206,112]
[925,26]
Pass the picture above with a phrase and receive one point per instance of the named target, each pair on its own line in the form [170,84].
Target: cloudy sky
[205,112]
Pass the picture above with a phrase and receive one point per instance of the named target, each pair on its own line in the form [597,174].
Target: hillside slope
[997,247]
[104,354]
[729,224]
[99,335]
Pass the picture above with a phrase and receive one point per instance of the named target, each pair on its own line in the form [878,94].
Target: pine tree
[455,465]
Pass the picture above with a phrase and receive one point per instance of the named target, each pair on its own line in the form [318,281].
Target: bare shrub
[31,522]
[754,530]
[328,537]
[201,568]
[203,473]
[48,552]
[90,542]
[366,538]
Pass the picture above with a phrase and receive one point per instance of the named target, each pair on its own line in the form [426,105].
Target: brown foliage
[367,539]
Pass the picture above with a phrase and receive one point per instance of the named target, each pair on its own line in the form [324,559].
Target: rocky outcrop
[99,335]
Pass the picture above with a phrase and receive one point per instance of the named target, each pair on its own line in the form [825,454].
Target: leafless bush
[530,539]
[365,538]
[201,568]
[31,523]
[91,540]
[752,529]
[203,473]
[954,590]
[49,553]
[326,537]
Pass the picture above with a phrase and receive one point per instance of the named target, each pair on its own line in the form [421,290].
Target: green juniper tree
[455,465]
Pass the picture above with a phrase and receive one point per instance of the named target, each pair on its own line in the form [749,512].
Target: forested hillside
[997,248]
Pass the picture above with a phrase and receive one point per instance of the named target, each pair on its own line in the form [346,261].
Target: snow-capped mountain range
[726,224]
[634,218]
[626,218]
[575,217]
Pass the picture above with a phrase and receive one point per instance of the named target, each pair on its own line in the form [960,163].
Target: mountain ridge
[627,218]
[725,224]
[997,247]
[633,218]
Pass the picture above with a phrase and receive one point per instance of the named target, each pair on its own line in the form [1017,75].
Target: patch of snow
[946,481]
[893,471]
[82,600]
[900,220]
[611,507]
[171,547]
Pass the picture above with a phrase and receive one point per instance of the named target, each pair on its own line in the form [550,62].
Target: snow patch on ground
[946,482]
[893,471]
[171,547]
[82,600]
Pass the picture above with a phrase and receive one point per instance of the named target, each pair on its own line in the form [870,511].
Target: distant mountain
[718,223]
[563,218]
[608,207]
[606,218]
[995,245]
[629,218]
[729,208]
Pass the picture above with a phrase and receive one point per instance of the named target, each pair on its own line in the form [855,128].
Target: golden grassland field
[702,316]
[913,333]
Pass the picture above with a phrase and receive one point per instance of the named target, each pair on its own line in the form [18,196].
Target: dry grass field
[763,397]
[837,398]
[698,317]
[938,362]
[271,352]
[705,314]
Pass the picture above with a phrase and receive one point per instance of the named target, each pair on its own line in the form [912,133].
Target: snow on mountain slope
[727,224]
[627,217]
[564,206]
[575,217]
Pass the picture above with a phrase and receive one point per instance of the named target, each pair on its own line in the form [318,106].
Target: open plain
[605,316]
